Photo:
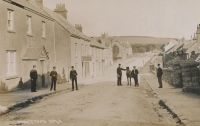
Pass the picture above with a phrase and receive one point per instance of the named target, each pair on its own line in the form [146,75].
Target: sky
[157,18]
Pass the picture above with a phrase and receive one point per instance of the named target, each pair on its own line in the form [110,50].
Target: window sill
[11,31]
[11,77]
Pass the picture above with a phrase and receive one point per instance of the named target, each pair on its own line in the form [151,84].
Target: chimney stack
[79,27]
[61,10]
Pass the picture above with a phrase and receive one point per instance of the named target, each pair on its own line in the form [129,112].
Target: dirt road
[97,104]
[102,104]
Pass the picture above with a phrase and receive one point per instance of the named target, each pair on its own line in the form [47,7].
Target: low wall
[185,74]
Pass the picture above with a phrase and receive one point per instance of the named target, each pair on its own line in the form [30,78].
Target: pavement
[19,99]
[184,105]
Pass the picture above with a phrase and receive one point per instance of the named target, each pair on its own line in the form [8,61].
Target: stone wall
[182,74]
[190,74]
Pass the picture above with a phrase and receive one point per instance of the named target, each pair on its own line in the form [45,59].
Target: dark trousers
[119,81]
[33,85]
[53,84]
[129,81]
[160,82]
[136,80]
[74,80]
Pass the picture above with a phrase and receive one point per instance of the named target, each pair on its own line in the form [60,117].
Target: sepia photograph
[99,63]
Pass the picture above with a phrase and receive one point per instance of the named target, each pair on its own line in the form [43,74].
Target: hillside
[142,40]
[142,43]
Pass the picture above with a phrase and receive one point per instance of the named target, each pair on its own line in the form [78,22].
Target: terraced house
[31,34]
[24,41]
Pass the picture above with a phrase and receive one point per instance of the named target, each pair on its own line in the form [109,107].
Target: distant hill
[144,40]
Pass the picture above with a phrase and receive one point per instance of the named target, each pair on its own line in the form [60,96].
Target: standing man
[135,73]
[119,75]
[33,76]
[73,77]
[159,75]
[128,75]
[53,75]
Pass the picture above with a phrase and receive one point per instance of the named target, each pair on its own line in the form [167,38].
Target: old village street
[98,104]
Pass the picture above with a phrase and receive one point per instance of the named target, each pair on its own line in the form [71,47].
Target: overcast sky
[159,18]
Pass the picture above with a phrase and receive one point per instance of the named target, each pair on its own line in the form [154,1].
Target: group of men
[134,74]
[54,77]
[129,74]
[73,77]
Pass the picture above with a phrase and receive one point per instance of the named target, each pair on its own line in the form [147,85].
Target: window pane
[43,29]
[29,25]
[10,19]
[11,63]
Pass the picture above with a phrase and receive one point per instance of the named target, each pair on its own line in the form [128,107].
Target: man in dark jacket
[33,76]
[134,74]
[119,75]
[159,76]
[53,75]
[73,77]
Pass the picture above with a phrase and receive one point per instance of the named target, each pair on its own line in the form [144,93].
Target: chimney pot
[79,27]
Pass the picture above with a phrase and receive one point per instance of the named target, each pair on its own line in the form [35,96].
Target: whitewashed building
[31,34]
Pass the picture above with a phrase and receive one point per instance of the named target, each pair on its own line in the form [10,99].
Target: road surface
[98,104]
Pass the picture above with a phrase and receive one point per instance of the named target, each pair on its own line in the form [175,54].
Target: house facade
[98,61]
[81,57]
[78,48]
[24,41]
[34,35]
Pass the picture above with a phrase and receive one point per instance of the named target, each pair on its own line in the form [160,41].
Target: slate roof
[69,27]
[28,5]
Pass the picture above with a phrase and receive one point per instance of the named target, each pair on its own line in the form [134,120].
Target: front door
[43,71]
